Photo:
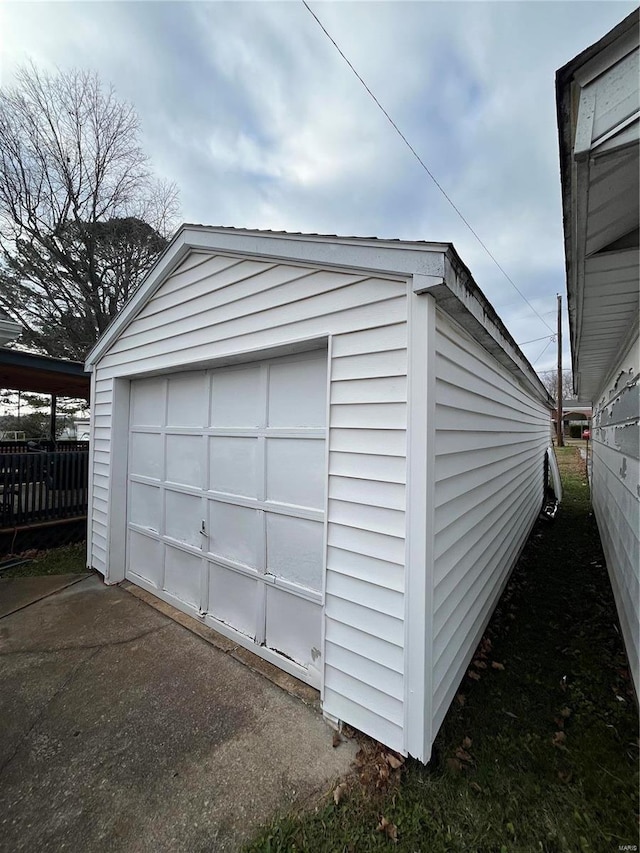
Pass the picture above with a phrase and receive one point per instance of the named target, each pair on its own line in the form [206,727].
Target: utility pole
[560,441]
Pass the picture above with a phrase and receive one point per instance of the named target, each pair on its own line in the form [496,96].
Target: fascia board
[379,256]
[462,300]
[175,252]
[608,56]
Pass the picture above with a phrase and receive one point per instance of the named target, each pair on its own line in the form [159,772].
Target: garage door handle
[203,528]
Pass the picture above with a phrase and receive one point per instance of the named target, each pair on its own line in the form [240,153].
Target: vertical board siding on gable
[220,306]
[490,442]
[615,489]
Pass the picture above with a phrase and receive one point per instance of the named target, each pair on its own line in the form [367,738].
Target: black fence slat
[42,444]
[42,485]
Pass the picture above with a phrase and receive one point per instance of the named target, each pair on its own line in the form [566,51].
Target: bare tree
[81,217]
[549,379]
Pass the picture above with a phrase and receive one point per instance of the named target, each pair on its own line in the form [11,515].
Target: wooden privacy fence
[42,486]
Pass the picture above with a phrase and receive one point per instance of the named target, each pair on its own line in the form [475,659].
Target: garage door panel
[185,460]
[297,393]
[147,402]
[145,506]
[233,599]
[293,626]
[226,499]
[182,575]
[235,532]
[145,455]
[183,517]
[294,549]
[188,397]
[233,465]
[145,557]
[296,471]
[237,399]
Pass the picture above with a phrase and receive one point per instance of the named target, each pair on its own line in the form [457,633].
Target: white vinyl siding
[364,602]
[615,488]
[490,441]
[215,307]
[230,306]
[99,474]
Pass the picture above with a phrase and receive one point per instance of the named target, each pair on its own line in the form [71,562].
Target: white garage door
[226,500]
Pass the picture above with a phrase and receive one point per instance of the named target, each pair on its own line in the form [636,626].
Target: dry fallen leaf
[565,776]
[479,664]
[473,675]
[466,742]
[337,740]
[463,755]
[558,739]
[475,787]
[389,829]
[339,792]
[565,712]
[461,698]
[496,665]
[394,761]
[454,764]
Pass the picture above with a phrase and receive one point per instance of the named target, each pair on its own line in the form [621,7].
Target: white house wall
[616,491]
[490,441]
[213,307]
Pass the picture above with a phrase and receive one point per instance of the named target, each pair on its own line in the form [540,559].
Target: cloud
[252,111]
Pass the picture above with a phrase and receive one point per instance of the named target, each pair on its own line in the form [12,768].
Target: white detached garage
[329,449]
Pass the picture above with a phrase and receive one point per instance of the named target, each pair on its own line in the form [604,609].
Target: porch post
[52,422]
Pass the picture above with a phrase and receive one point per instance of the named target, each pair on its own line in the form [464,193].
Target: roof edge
[564,81]
[486,326]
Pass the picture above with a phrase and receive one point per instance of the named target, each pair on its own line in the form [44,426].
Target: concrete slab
[16,593]
[123,731]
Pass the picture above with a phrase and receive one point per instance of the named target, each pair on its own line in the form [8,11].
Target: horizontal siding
[99,492]
[313,303]
[491,436]
[615,490]
[366,534]
[368,721]
[216,306]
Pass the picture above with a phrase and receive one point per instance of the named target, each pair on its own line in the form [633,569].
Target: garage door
[226,500]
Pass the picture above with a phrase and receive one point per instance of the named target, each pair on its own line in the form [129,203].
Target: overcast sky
[249,108]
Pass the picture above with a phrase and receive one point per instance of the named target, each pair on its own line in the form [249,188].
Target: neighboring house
[329,449]
[598,103]
[9,330]
[577,414]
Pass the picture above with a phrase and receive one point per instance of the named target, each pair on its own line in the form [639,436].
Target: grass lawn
[69,559]
[539,756]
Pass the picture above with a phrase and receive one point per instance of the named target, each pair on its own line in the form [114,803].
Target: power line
[543,351]
[422,163]
[535,340]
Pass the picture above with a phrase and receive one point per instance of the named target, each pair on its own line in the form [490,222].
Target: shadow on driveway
[124,731]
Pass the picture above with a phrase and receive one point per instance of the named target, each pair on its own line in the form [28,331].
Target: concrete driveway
[122,730]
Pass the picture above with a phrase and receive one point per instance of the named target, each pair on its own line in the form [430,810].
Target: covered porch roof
[41,374]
